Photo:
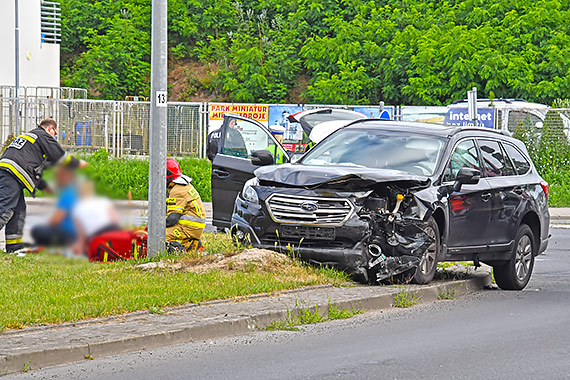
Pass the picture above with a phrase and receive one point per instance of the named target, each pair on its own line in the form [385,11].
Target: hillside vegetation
[423,52]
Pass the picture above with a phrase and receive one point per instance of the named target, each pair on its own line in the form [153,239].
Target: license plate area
[308,232]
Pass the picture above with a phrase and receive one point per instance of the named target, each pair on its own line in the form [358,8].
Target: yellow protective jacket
[185,200]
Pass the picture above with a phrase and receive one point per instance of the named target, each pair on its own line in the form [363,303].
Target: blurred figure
[92,216]
[60,229]
[186,219]
[21,167]
[278,132]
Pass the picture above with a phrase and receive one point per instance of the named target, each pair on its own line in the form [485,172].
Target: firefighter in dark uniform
[21,167]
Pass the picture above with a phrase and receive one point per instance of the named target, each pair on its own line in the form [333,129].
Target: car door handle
[518,190]
[221,173]
[486,196]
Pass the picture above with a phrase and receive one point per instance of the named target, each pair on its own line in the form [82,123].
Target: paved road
[489,335]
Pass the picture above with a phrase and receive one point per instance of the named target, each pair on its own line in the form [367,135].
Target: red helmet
[172,170]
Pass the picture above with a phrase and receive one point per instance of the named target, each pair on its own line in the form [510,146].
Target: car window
[521,118]
[521,163]
[464,156]
[414,154]
[494,160]
[243,137]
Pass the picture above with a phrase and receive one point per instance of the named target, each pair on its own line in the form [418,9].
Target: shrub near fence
[116,177]
[549,149]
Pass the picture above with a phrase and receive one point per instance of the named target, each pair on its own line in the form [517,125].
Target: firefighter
[21,167]
[278,132]
[185,216]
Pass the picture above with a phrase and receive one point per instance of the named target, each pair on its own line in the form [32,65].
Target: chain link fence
[120,127]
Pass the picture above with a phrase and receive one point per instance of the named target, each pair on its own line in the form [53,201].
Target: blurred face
[63,176]
[52,131]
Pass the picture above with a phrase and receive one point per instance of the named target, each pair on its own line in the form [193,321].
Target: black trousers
[12,210]
[52,236]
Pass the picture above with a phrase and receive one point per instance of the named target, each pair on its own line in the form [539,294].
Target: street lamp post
[158,129]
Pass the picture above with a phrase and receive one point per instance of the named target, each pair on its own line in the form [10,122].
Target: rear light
[544,186]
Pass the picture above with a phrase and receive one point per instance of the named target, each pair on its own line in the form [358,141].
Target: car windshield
[414,154]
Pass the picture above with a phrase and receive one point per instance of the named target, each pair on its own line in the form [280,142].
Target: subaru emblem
[309,206]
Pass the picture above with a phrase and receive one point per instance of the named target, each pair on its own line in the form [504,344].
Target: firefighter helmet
[173,170]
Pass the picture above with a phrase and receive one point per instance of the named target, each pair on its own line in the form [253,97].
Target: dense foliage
[550,152]
[422,52]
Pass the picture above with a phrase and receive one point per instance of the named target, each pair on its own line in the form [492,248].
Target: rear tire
[428,263]
[515,273]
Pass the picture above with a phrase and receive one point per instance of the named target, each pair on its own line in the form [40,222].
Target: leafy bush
[550,152]
[116,177]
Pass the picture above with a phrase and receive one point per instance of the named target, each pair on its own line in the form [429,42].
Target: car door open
[232,166]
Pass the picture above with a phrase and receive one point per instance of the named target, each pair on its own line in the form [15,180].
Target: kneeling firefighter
[185,216]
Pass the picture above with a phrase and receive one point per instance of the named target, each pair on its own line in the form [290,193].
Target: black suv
[382,199]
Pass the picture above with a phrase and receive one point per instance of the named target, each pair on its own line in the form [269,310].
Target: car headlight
[249,193]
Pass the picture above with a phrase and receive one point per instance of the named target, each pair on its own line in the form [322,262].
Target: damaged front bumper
[371,245]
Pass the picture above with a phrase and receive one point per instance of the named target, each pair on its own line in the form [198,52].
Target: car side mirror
[466,176]
[262,158]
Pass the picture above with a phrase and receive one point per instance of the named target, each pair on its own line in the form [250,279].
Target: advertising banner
[460,117]
[278,116]
[424,114]
[259,112]
[374,112]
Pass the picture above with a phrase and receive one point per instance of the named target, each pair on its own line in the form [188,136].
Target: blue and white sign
[460,117]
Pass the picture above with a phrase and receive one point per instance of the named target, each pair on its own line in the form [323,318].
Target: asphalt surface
[489,335]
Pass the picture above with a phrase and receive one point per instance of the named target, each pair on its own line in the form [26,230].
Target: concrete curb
[218,323]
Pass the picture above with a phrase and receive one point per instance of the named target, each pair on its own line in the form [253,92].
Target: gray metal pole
[17,63]
[158,120]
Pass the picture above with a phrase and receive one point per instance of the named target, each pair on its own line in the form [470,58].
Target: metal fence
[120,127]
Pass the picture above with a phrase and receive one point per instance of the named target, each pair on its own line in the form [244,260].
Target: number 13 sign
[161,99]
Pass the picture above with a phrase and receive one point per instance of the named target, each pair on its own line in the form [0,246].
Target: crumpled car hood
[315,176]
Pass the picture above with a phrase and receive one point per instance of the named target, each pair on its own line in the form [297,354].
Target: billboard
[460,117]
[374,112]
[278,116]
[259,112]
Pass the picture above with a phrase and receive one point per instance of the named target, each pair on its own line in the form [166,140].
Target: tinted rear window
[494,161]
[521,163]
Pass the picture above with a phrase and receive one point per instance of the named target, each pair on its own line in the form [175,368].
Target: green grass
[43,289]
[307,316]
[406,298]
[116,177]
[447,294]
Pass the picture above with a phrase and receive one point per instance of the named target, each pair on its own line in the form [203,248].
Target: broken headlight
[248,193]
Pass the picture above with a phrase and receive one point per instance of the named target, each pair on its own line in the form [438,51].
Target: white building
[40,36]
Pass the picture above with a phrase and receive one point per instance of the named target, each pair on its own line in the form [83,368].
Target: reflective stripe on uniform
[187,220]
[174,208]
[198,209]
[14,241]
[29,138]
[18,172]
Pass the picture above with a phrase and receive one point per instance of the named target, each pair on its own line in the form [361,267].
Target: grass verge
[406,298]
[44,289]
[307,316]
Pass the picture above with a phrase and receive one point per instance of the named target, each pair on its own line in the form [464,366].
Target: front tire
[515,273]
[428,263]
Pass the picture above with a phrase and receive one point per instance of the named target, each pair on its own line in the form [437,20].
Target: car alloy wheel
[523,258]
[429,258]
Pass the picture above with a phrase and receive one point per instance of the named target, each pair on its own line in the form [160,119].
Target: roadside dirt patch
[249,259]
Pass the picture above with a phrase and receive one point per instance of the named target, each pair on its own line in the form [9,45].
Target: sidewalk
[556,213]
[38,347]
